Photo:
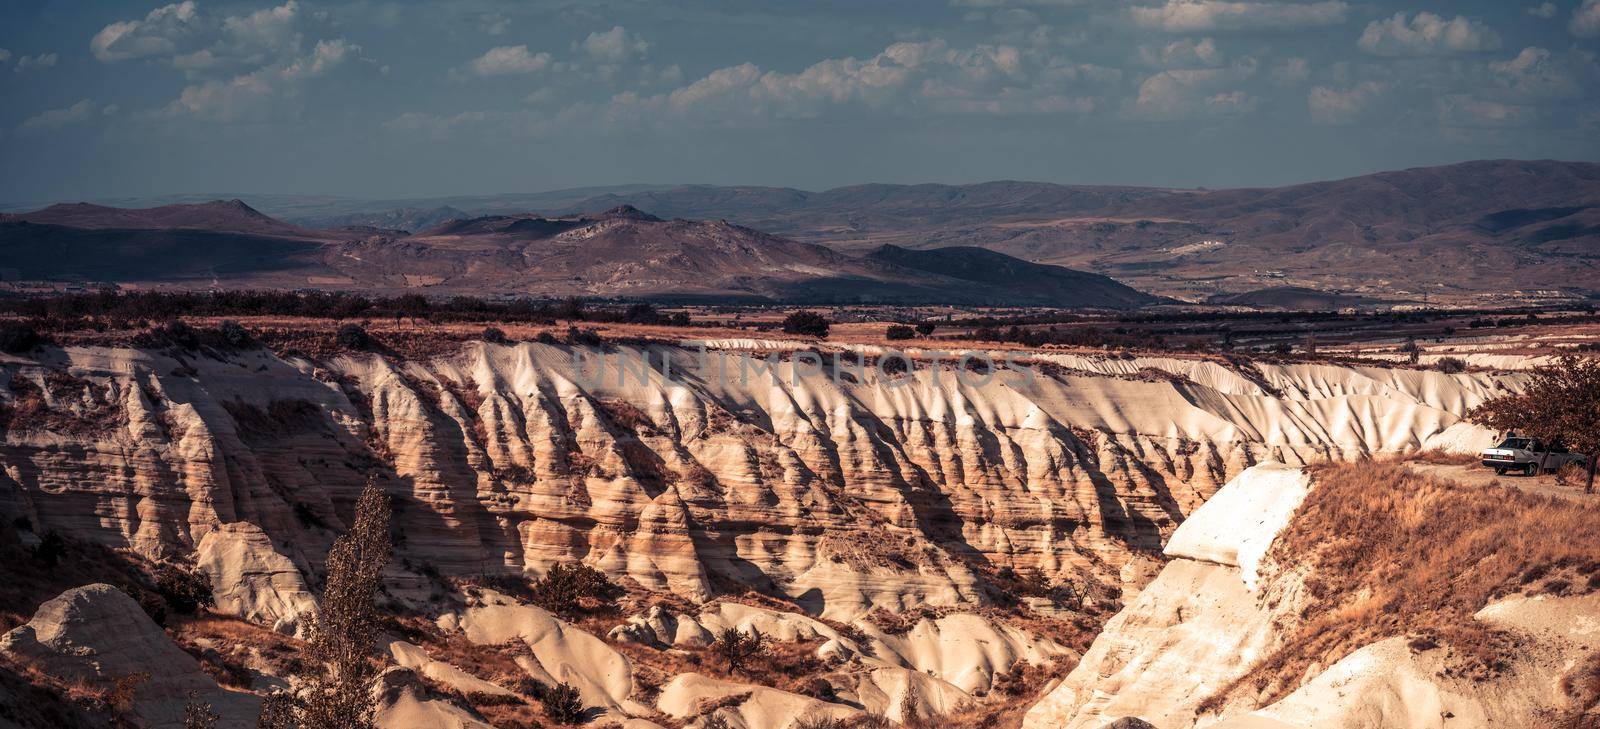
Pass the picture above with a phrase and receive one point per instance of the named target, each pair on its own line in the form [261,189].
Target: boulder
[253,581]
[97,635]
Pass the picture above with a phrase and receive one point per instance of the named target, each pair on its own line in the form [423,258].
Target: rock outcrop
[98,636]
[251,580]
[696,475]
[1197,627]
[1176,655]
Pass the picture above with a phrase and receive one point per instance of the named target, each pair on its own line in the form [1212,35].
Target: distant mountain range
[622,252]
[1524,229]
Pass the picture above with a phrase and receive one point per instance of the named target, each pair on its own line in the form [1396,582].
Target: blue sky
[390,99]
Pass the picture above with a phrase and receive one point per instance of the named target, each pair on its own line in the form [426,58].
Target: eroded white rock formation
[99,636]
[1207,620]
[843,494]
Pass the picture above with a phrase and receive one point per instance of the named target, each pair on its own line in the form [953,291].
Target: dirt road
[1477,475]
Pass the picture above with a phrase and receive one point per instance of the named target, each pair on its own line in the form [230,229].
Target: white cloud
[250,66]
[5,55]
[1003,3]
[1342,106]
[1190,54]
[1177,94]
[1290,72]
[614,47]
[1205,16]
[494,24]
[1543,10]
[909,78]
[263,34]
[1537,75]
[33,63]
[1426,35]
[507,60]
[1585,21]
[184,36]
[264,93]
[1459,110]
[157,34]
[78,113]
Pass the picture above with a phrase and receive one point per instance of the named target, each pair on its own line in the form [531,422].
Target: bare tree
[334,691]
[1560,404]
[737,648]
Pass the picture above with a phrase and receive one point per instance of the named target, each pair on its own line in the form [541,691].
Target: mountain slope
[1064,286]
[1498,226]
[218,216]
[622,252]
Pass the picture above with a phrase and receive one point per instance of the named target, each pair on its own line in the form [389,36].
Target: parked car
[1529,456]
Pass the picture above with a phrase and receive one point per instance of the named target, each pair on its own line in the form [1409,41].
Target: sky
[378,99]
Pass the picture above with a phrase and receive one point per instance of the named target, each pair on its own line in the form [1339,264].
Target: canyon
[1051,537]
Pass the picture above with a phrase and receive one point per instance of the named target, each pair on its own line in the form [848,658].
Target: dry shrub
[1394,553]
[1582,687]
[1446,458]
[625,416]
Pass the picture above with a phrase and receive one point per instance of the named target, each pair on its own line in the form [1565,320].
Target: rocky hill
[1454,231]
[621,252]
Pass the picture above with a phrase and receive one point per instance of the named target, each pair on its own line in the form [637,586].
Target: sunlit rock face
[705,472]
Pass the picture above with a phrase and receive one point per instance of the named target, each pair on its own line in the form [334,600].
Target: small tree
[494,335]
[897,332]
[353,336]
[571,309]
[185,591]
[806,323]
[737,648]
[1560,404]
[925,328]
[234,334]
[334,687]
[562,703]
[1412,351]
[563,589]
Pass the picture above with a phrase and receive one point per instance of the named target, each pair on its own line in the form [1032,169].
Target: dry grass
[225,646]
[1393,553]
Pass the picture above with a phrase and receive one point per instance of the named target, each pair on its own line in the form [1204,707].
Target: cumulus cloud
[1290,72]
[1343,106]
[185,37]
[1187,54]
[1585,21]
[5,55]
[1003,3]
[614,47]
[1206,16]
[242,67]
[1543,10]
[34,63]
[158,33]
[909,78]
[264,93]
[78,113]
[1460,110]
[494,24]
[1537,75]
[507,60]
[1426,35]
[1178,94]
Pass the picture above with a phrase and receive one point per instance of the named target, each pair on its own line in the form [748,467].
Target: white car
[1528,456]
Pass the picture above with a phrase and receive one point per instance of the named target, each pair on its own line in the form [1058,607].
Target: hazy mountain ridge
[621,252]
[1506,227]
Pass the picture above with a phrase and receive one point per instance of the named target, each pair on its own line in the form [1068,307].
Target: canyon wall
[874,489]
